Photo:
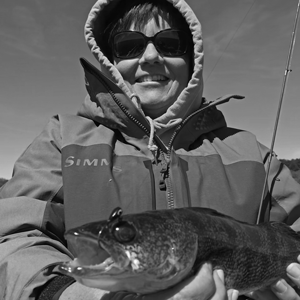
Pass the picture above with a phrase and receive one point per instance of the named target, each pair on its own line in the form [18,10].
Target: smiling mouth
[152,78]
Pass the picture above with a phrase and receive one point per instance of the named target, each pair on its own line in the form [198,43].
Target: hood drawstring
[151,146]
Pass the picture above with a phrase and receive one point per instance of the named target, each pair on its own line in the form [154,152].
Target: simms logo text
[85,162]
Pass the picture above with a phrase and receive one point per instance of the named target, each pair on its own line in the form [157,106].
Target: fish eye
[124,232]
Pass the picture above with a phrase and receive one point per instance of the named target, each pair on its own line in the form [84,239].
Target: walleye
[154,250]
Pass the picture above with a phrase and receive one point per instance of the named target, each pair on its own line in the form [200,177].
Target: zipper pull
[162,185]
[164,174]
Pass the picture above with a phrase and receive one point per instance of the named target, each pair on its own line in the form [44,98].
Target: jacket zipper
[165,183]
[166,180]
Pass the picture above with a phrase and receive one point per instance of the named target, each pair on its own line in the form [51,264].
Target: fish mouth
[92,259]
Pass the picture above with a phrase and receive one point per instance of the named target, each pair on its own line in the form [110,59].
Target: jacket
[82,166]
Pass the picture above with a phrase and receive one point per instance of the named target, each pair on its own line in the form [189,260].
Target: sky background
[246,46]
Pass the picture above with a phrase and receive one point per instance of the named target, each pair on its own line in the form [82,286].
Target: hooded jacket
[83,166]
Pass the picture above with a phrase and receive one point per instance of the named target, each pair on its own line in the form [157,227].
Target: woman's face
[156,79]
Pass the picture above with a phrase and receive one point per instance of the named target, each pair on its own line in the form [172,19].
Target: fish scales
[259,254]
[151,251]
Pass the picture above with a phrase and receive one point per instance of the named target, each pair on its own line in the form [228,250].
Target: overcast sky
[246,46]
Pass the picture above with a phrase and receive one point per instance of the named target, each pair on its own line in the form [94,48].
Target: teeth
[109,261]
[152,78]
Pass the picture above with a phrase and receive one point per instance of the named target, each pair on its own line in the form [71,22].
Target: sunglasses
[169,42]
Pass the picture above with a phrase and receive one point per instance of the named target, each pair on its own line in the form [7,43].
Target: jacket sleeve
[37,173]
[32,219]
[31,244]
[284,190]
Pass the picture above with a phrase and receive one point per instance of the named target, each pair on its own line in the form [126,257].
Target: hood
[190,98]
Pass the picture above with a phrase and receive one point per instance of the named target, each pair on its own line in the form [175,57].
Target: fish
[151,251]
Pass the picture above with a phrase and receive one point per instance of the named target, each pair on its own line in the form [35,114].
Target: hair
[139,12]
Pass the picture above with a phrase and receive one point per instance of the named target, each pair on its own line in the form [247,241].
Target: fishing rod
[285,79]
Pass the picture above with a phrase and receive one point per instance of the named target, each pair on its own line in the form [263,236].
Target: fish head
[140,253]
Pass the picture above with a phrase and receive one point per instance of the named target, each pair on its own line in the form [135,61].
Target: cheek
[126,68]
[181,71]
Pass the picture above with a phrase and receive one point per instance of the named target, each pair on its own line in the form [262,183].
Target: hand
[205,285]
[220,288]
[281,289]
[293,272]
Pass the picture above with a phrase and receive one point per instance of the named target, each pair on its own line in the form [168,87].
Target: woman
[172,148]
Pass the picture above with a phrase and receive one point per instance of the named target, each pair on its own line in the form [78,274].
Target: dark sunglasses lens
[132,44]
[128,44]
[171,43]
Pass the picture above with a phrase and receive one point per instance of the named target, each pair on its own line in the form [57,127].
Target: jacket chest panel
[96,181]
[233,189]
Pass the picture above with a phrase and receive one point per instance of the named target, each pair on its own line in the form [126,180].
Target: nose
[151,55]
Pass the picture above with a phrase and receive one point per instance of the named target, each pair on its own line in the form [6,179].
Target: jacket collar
[108,105]
[202,121]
